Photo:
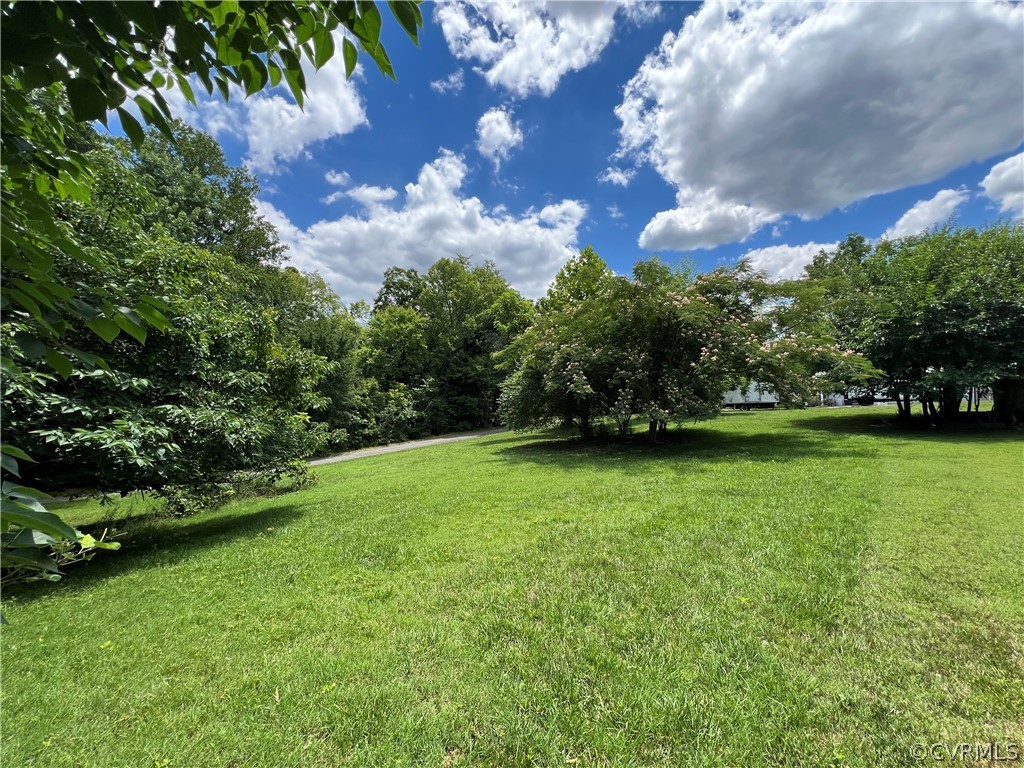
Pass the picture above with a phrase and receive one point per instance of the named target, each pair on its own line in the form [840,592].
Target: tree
[460,301]
[401,288]
[68,62]
[938,313]
[582,277]
[663,346]
[394,348]
[200,199]
[426,354]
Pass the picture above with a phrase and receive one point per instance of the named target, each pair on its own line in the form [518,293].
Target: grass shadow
[887,424]
[677,447]
[158,542]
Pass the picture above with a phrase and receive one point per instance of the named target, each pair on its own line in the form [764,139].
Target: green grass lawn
[778,588]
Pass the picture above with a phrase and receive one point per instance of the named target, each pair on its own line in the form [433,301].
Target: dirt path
[395,447]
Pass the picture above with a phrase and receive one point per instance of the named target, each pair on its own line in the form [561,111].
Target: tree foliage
[65,63]
[937,312]
[663,346]
[431,338]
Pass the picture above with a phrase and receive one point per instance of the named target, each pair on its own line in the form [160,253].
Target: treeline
[255,365]
[921,320]
[939,314]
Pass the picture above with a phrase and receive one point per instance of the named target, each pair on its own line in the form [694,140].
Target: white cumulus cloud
[756,111]
[371,197]
[277,130]
[497,135]
[433,221]
[702,220]
[614,175]
[527,47]
[1005,185]
[337,178]
[926,213]
[453,83]
[785,262]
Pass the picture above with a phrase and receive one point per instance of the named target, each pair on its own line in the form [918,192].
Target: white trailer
[754,396]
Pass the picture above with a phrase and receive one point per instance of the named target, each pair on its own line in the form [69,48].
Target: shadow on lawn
[679,446]
[887,425]
[146,543]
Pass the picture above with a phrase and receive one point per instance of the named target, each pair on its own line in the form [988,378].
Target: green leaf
[9,465]
[88,101]
[30,344]
[296,84]
[22,492]
[275,74]
[33,515]
[222,86]
[380,56]
[370,22]
[103,327]
[323,46]
[28,303]
[408,15]
[260,68]
[350,54]
[91,542]
[228,52]
[133,329]
[25,537]
[186,88]
[223,12]
[153,316]
[27,557]
[153,116]
[59,363]
[10,450]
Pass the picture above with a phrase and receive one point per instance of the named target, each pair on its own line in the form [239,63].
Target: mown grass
[781,588]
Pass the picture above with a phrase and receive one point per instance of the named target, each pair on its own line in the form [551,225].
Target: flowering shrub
[660,346]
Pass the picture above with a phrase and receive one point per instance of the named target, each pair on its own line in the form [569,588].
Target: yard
[771,588]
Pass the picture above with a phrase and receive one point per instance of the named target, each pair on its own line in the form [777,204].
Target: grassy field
[780,588]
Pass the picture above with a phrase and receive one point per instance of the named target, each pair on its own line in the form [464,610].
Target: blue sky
[522,132]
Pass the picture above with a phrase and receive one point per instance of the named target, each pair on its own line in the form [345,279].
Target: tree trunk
[951,397]
[584,421]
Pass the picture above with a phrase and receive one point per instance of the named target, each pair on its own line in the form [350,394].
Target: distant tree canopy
[937,313]
[432,336]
